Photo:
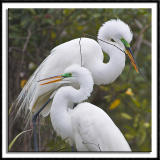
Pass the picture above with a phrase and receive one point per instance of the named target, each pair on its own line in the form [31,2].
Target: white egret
[86,126]
[34,95]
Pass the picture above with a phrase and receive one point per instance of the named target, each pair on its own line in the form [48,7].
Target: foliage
[14,140]
[34,32]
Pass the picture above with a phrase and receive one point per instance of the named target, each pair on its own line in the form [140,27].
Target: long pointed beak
[129,52]
[51,79]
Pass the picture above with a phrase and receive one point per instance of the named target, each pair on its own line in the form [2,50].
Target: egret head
[76,74]
[119,35]
[55,79]
[72,74]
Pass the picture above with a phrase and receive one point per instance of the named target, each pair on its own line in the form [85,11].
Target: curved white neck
[111,70]
[59,114]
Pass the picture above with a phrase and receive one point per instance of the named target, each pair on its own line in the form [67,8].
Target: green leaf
[10,109]
[129,136]
[53,35]
[142,137]
[32,11]
[135,101]
[126,116]
[14,140]
[146,125]
[136,120]
[114,104]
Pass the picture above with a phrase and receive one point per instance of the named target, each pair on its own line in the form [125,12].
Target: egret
[86,126]
[114,39]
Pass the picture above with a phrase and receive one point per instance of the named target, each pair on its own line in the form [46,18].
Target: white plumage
[86,126]
[115,29]
[33,96]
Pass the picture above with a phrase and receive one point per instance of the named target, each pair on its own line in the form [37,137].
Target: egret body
[86,126]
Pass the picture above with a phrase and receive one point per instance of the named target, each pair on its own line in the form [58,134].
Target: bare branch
[14,48]
[146,43]
[139,25]
[27,40]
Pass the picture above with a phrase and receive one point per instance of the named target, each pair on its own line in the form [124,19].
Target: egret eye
[65,75]
[112,40]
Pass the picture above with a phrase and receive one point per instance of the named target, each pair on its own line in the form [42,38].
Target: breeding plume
[114,38]
[86,126]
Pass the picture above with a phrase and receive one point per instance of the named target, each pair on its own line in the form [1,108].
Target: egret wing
[95,130]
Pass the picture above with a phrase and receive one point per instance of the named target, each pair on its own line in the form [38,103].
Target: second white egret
[86,126]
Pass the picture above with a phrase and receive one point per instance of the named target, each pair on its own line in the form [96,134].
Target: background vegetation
[34,32]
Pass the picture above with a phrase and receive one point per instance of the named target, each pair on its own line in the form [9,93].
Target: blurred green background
[34,32]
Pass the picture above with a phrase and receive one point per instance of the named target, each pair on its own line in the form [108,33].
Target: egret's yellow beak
[55,78]
[128,51]
[52,79]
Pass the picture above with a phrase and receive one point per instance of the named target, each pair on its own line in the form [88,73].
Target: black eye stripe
[112,40]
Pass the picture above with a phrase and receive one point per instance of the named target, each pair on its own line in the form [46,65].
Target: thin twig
[138,23]
[27,40]
[146,43]
[14,48]
[92,143]
[25,45]
[104,41]
[60,149]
